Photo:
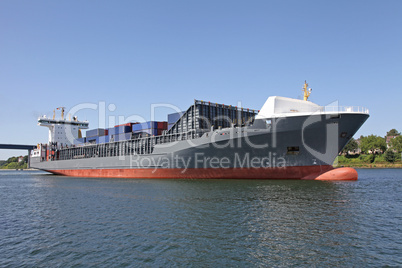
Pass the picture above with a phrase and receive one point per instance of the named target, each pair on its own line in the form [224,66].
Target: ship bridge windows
[293,150]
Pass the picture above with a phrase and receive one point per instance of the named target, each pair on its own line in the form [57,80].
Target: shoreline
[19,169]
[371,166]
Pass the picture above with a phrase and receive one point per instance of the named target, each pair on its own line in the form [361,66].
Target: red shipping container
[127,124]
[162,125]
[123,125]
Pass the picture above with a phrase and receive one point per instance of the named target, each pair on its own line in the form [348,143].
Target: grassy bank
[366,161]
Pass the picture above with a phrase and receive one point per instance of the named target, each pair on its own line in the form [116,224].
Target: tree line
[13,163]
[374,145]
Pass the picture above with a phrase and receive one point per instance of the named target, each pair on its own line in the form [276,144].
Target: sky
[128,56]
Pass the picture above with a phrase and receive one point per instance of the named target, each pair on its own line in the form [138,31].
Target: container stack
[97,132]
[150,128]
[97,136]
[98,139]
[121,132]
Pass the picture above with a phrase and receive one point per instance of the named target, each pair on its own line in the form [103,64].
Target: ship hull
[303,172]
[299,147]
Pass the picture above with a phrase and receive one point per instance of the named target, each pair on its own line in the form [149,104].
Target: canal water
[55,221]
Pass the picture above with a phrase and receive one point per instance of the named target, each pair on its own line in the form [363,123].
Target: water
[54,221]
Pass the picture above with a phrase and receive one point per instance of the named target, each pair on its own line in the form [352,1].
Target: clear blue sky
[136,53]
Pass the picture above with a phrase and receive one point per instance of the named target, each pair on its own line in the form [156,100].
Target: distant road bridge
[19,147]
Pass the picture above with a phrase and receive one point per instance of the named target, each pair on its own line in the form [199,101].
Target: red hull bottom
[301,172]
[344,174]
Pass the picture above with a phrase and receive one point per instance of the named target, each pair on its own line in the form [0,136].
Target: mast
[306,91]
[62,112]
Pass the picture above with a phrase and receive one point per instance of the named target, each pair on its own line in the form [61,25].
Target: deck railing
[346,109]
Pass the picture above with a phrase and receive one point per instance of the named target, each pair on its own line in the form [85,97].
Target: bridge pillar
[29,158]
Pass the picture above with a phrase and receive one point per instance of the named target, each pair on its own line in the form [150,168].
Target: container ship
[286,139]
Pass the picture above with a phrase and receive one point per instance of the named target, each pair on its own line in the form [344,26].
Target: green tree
[12,165]
[372,143]
[367,158]
[350,146]
[390,156]
[393,132]
[12,159]
[396,144]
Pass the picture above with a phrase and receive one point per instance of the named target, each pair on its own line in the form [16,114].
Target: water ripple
[53,221]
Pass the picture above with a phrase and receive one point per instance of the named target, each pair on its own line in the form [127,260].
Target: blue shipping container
[149,131]
[110,131]
[95,132]
[113,131]
[98,139]
[119,130]
[146,125]
[103,139]
[122,137]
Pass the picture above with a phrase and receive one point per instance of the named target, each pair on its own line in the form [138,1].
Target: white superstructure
[276,106]
[62,131]
[286,107]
